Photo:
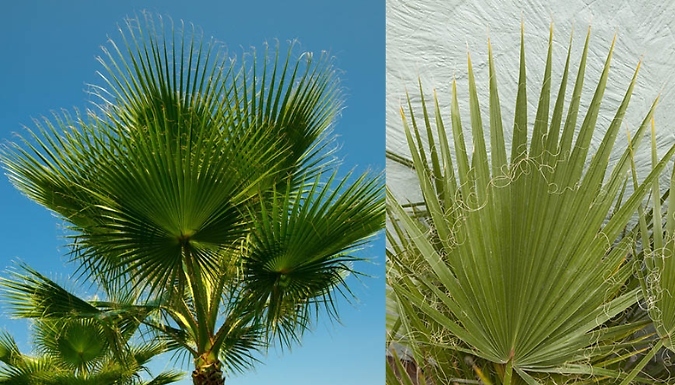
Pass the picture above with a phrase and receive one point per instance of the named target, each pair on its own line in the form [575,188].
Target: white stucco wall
[429,39]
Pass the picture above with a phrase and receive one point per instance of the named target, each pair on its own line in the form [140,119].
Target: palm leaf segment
[520,259]
[659,280]
[656,267]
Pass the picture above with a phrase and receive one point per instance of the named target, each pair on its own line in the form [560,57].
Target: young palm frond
[518,260]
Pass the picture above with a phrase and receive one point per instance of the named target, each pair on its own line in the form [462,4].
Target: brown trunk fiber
[208,375]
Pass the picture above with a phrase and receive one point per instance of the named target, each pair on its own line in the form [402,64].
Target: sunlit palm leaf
[16,368]
[79,343]
[24,373]
[302,245]
[76,356]
[31,295]
[164,378]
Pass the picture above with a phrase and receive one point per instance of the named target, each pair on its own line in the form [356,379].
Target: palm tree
[209,186]
[518,269]
[73,350]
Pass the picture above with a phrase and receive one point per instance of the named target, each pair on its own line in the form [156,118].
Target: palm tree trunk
[208,374]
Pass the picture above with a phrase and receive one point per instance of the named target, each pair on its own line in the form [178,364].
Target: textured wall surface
[429,40]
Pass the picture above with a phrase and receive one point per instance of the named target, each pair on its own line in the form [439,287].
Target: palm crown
[207,183]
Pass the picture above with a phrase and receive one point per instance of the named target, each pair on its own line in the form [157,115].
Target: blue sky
[49,51]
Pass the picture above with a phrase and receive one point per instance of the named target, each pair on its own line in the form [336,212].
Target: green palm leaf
[75,352]
[656,269]
[302,245]
[78,341]
[522,260]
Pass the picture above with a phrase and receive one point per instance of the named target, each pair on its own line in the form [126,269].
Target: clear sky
[48,52]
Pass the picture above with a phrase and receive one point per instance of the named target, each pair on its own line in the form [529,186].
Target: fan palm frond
[519,260]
